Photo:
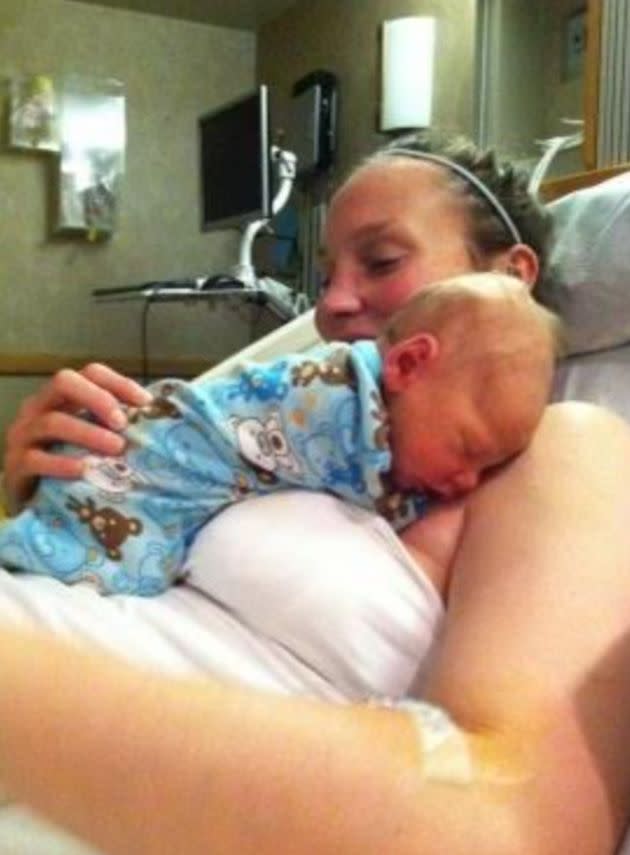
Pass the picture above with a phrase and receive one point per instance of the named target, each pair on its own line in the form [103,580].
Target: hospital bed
[591,291]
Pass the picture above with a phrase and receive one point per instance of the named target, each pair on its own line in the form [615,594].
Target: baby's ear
[405,361]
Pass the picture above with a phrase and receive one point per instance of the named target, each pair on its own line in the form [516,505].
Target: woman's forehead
[395,177]
[392,191]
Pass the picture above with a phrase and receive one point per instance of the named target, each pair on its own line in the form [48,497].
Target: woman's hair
[506,182]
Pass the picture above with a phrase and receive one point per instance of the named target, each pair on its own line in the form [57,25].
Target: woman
[533,659]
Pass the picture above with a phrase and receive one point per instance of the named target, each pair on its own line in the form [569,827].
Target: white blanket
[294,593]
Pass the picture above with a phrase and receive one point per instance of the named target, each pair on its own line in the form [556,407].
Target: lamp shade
[407,73]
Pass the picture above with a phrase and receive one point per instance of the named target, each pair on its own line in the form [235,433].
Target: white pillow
[590,265]
[601,378]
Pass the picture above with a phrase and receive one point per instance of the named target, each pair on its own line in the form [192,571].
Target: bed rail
[557,187]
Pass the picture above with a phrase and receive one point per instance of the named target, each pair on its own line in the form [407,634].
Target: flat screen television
[235,162]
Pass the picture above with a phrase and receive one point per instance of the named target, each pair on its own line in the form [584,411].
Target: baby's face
[443,436]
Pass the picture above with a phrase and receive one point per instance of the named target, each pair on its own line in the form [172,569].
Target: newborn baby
[388,425]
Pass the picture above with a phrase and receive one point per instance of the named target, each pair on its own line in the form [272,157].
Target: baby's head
[467,371]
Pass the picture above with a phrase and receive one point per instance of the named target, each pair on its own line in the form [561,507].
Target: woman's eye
[382,266]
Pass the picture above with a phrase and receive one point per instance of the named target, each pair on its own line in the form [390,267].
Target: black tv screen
[235,162]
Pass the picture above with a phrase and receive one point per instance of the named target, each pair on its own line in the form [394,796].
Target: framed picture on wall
[92,154]
[575,44]
[33,113]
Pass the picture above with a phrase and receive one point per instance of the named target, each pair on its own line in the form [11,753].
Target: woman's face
[392,228]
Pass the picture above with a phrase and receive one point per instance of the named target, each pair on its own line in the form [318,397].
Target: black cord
[144,338]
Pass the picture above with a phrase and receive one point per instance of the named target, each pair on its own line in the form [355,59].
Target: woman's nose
[340,295]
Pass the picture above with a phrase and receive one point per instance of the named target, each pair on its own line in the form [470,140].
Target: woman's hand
[50,415]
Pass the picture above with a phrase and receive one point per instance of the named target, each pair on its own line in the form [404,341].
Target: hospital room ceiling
[242,14]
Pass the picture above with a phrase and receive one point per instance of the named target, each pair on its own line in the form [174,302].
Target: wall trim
[44,364]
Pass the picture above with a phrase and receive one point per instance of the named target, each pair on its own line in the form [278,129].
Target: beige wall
[172,71]
[565,95]
[516,83]
[342,36]
[528,91]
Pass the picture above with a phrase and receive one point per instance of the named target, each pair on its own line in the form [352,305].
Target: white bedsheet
[285,607]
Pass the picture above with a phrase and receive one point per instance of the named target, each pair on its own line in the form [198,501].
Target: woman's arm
[534,666]
[48,416]
[536,651]
[137,763]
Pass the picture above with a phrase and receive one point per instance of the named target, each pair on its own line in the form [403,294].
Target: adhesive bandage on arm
[446,752]
[445,748]
[449,754]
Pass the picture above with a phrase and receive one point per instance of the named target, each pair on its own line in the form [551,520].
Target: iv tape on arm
[449,754]
[445,748]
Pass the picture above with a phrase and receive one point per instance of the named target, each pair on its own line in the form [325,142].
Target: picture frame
[33,113]
[92,155]
[575,44]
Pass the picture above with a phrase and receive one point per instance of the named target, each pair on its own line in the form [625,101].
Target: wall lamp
[407,73]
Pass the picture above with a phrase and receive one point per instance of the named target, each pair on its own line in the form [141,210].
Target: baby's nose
[465,480]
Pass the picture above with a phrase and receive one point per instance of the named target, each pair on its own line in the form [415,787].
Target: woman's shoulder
[584,416]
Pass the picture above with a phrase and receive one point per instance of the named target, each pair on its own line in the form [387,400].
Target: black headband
[469,176]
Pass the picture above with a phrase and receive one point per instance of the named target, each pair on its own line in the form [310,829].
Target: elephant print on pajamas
[259,384]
